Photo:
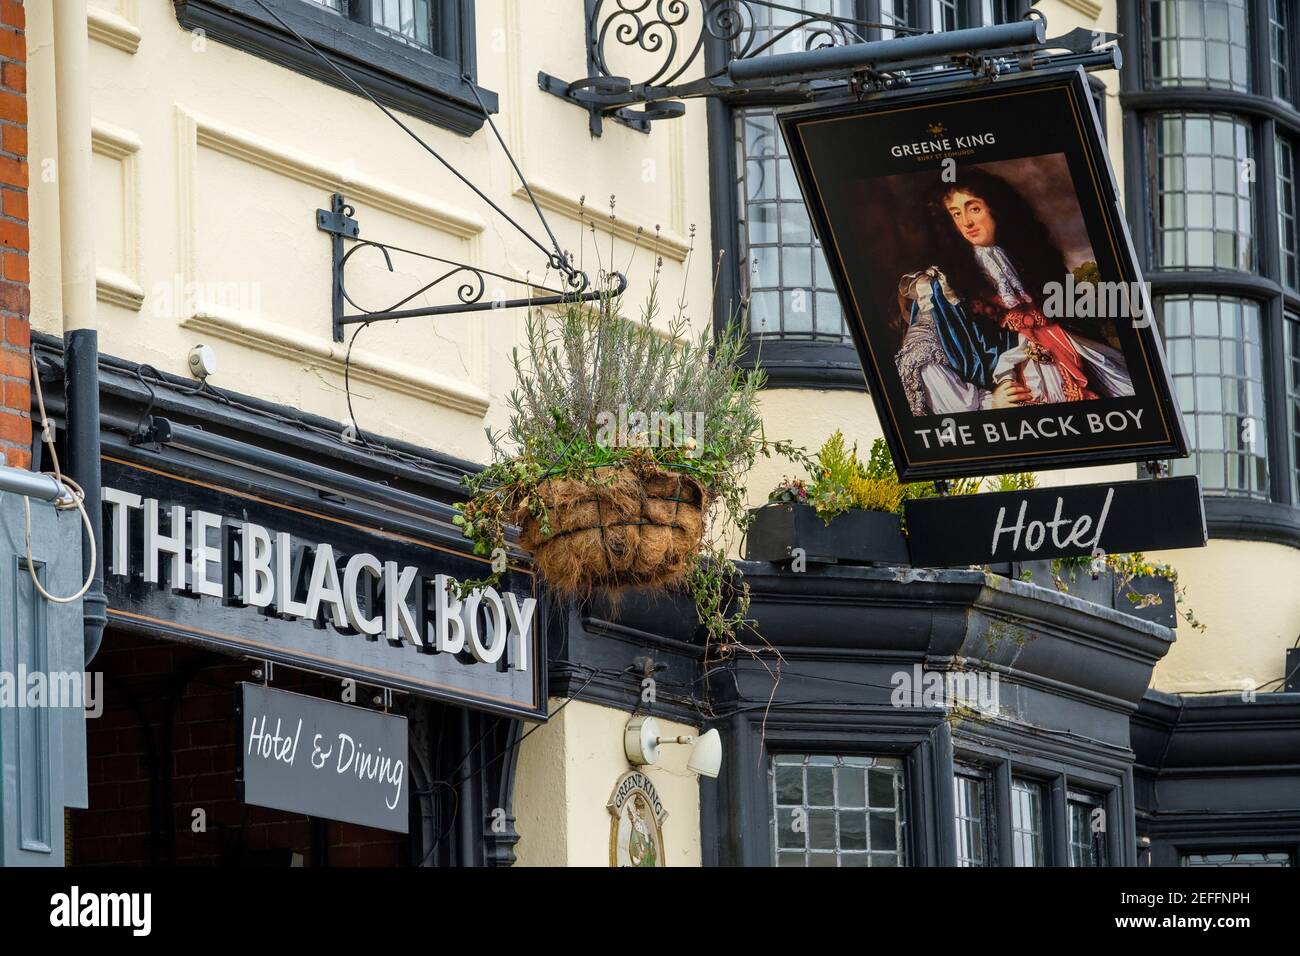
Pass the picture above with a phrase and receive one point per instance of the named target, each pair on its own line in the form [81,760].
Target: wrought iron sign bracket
[474,292]
[694,35]
[340,222]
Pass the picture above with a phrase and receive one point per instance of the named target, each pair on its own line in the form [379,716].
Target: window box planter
[854,537]
[1107,592]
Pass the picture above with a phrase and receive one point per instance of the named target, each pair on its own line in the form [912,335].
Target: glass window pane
[1212,348]
[970,795]
[1086,848]
[1291,335]
[1026,822]
[780,250]
[820,809]
[1204,217]
[1200,43]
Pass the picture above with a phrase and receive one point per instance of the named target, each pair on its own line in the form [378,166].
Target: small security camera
[203,361]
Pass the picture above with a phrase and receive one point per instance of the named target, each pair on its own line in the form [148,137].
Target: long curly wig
[1018,230]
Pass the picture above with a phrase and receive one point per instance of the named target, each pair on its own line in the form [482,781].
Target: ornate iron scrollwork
[471,283]
[654,27]
[665,41]
[655,53]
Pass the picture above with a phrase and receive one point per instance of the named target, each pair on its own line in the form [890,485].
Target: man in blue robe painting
[976,335]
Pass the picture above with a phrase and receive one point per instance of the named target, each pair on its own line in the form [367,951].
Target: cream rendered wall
[211,163]
[566,774]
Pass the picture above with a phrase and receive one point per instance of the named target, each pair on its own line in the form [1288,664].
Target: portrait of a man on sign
[988,278]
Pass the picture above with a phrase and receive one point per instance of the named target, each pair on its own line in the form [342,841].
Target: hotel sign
[1069,522]
[323,759]
[219,566]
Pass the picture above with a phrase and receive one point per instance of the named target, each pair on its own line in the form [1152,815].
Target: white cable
[61,504]
[78,498]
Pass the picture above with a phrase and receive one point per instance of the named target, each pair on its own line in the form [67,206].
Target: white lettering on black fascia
[1036,532]
[254,567]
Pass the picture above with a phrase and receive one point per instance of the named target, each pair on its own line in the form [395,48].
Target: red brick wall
[119,827]
[15,330]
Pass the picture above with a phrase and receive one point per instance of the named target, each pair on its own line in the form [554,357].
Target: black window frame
[985,777]
[1277,519]
[437,85]
[736,810]
[1044,816]
[1203,850]
[903,824]
[789,363]
[1093,801]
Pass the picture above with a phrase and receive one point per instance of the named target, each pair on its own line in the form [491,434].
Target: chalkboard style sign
[315,757]
[978,247]
[1075,521]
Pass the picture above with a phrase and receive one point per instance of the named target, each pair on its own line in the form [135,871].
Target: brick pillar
[15,301]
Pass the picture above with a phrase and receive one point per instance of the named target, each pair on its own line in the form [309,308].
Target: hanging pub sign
[312,756]
[978,247]
[193,560]
[1069,522]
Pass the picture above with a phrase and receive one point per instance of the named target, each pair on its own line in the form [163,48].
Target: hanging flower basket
[625,460]
[631,525]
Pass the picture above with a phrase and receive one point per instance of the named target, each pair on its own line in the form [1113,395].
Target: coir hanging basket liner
[627,526]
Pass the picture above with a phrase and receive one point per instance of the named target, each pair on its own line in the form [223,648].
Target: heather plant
[585,365]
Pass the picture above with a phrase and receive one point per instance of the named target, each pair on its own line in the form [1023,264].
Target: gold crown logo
[936,129]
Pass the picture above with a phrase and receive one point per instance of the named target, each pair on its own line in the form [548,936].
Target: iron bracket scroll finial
[476,289]
[738,49]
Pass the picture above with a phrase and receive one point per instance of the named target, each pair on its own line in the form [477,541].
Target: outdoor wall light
[641,741]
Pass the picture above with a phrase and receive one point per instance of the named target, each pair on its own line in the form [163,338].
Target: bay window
[1208,90]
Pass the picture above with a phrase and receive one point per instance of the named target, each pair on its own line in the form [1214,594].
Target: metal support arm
[475,292]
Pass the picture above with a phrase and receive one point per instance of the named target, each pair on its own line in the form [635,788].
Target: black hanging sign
[978,247]
[1074,521]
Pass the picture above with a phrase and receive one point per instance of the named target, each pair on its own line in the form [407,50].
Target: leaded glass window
[1292,335]
[999,11]
[1086,848]
[1199,43]
[1204,218]
[837,810]
[790,287]
[406,20]
[1286,212]
[1026,822]
[1279,56]
[943,14]
[1214,350]
[973,817]
[897,12]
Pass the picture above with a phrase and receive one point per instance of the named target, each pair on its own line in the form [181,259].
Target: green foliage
[1127,568]
[585,369]
[841,480]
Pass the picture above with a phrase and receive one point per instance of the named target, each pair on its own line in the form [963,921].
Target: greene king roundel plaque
[636,836]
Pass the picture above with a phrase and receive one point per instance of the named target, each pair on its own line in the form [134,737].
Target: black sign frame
[1065,94]
[295,785]
[224,624]
[1110,518]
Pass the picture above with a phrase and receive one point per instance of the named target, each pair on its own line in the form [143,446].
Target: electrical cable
[76,499]
[555,256]
[347,384]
